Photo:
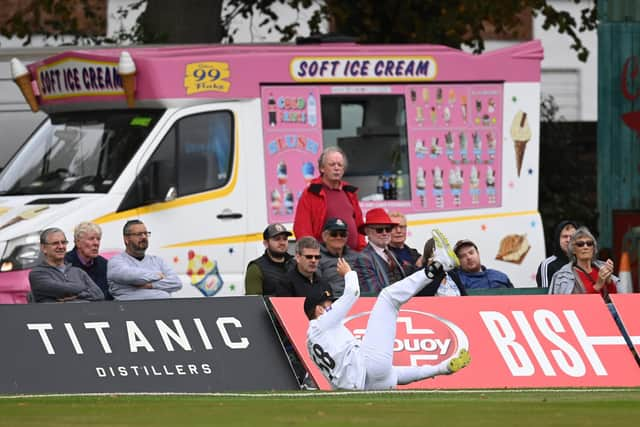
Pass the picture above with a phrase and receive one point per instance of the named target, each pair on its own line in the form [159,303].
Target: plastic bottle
[379,185]
[400,185]
[393,190]
[312,110]
[386,187]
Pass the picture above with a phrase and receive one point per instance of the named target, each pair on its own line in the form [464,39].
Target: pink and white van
[211,143]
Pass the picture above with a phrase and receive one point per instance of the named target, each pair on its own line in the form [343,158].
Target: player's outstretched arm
[340,308]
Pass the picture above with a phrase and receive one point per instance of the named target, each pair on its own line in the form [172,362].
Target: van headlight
[21,253]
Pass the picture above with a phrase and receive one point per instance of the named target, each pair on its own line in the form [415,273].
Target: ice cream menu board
[292,133]
[455,134]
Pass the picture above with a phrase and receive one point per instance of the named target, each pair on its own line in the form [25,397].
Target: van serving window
[371,130]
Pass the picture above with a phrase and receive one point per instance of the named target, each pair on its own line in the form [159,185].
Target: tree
[452,23]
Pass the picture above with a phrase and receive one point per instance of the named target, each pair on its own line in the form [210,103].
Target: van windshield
[81,152]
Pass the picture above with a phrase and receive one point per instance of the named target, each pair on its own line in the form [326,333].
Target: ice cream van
[209,144]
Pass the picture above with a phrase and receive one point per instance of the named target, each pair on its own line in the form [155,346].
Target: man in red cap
[376,265]
[328,196]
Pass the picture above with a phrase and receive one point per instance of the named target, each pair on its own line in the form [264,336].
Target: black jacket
[550,265]
[97,271]
[295,284]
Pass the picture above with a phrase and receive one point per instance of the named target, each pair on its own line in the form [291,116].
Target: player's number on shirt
[323,359]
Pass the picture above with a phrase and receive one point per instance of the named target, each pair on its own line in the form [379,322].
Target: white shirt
[332,346]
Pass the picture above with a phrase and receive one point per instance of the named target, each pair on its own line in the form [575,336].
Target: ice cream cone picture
[22,77]
[491,184]
[420,150]
[127,71]
[448,142]
[452,96]
[281,172]
[435,147]
[446,115]
[419,115]
[420,185]
[434,115]
[463,107]
[491,145]
[464,144]
[474,185]
[455,184]
[425,95]
[520,134]
[276,202]
[438,183]
[477,146]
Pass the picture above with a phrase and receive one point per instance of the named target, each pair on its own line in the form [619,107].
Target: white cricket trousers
[377,344]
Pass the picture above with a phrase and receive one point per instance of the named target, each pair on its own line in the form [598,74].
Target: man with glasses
[376,265]
[328,196]
[55,281]
[302,280]
[264,273]
[333,247]
[133,275]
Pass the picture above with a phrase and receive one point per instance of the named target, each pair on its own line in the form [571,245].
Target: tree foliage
[454,23]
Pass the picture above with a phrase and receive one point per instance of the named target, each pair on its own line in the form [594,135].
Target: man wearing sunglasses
[134,275]
[334,246]
[302,280]
[376,265]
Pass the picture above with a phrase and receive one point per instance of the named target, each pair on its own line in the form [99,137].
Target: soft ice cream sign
[363,69]
[71,77]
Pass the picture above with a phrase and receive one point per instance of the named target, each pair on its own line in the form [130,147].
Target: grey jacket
[566,281]
[49,284]
[327,268]
[126,274]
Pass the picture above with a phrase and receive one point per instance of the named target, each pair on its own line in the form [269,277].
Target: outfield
[618,408]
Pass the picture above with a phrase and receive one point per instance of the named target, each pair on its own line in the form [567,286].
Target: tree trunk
[186,21]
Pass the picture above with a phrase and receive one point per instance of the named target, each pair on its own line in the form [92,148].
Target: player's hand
[343,267]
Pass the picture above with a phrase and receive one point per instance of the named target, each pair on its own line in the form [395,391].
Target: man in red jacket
[328,196]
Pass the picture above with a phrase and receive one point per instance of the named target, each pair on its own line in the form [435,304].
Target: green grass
[537,408]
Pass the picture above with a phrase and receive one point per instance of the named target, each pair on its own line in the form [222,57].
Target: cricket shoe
[443,255]
[458,362]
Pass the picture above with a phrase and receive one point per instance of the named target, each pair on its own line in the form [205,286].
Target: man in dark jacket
[562,235]
[53,280]
[304,279]
[264,273]
[85,255]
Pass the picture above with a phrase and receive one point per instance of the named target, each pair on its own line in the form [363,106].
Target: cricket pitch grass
[595,407]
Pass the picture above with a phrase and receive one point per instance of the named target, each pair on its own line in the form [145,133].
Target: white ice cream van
[209,144]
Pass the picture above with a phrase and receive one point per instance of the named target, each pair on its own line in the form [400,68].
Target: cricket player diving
[367,364]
